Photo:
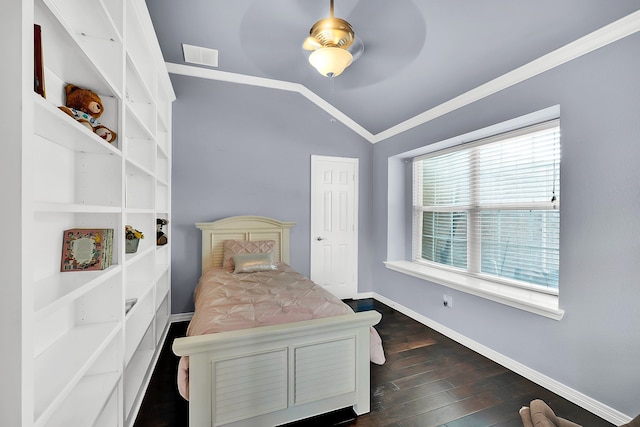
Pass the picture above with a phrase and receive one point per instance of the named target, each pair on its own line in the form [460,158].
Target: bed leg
[361,409]
[363,373]
[363,404]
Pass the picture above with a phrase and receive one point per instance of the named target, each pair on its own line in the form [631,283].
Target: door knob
[320,238]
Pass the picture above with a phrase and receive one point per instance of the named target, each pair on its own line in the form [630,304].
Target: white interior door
[334,224]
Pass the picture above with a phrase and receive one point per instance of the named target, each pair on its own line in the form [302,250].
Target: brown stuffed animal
[85,106]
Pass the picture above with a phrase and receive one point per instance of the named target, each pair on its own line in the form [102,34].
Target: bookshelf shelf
[75,60]
[131,259]
[161,269]
[136,128]
[85,400]
[75,15]
[88,342]
[162,315]
[138,290]
[61,288]
[135,168]
[138,321]
[74,208]
[135,377]
[55,126]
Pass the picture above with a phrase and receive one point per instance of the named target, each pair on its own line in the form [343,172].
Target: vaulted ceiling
[418,54]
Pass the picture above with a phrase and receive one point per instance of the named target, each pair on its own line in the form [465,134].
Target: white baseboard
[580,399]
[365,295]
[180,317]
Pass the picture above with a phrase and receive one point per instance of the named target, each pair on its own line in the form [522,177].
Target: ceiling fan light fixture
[330,61]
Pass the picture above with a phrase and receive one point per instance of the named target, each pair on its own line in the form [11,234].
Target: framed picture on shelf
[38,66]
[86,249]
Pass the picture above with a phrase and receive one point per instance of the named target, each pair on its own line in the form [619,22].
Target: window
[490,208]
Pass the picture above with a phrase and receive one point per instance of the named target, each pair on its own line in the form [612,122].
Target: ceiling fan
[333,45]
[271,36]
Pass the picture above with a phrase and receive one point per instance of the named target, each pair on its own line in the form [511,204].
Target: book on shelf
[87,249]
[38,66]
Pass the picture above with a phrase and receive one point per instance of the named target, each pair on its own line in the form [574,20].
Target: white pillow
[249,263]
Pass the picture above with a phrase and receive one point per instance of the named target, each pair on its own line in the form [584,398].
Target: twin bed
[267,346]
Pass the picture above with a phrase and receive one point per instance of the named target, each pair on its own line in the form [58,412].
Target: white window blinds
[490,207]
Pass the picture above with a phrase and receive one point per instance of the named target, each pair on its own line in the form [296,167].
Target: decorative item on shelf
[38,67]
[161,237]
[85,249]
[132,239]
[129,303]
[85,106]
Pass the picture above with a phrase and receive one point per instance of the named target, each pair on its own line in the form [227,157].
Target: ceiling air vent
[200,55]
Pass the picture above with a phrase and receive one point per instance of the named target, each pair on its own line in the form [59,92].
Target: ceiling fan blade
[310,43]
[356,48]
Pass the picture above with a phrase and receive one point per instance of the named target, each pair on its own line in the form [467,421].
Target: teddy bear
[161,237]
[85,106]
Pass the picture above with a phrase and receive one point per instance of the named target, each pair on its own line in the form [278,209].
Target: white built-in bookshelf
[78,358]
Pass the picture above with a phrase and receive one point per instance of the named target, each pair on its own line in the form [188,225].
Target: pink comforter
[225,301]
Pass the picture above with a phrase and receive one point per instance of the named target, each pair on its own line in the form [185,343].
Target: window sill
[523,299]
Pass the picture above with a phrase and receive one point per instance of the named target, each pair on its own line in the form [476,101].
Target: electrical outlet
[447,300]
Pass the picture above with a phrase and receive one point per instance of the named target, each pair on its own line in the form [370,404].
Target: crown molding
[604,36]
[207,73]
[608,34]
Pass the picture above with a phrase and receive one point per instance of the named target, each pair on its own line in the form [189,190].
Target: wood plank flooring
[428,380]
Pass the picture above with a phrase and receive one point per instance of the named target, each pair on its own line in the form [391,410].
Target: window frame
[399,223]
[473,208]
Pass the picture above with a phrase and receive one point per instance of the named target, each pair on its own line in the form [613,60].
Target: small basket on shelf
[132,239]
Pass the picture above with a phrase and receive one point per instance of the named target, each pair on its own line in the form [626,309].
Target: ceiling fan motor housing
[333,32]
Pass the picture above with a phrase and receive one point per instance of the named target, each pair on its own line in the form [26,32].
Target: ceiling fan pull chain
[331,93]
[331,88]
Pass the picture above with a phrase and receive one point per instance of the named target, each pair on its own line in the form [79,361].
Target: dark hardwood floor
[428,380]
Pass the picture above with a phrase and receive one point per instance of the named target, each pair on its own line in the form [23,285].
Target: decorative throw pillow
[234,247]
[249,263]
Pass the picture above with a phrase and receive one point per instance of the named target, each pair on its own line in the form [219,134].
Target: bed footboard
[277,374]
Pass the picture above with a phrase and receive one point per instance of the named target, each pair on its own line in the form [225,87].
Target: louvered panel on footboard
[249,386]
[324,370]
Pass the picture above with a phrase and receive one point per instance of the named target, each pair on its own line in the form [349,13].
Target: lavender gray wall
[244,150]
[595,348]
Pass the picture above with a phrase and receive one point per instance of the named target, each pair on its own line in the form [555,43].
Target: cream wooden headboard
[242,228]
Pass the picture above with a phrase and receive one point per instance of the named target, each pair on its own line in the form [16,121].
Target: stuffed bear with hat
[161,237]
